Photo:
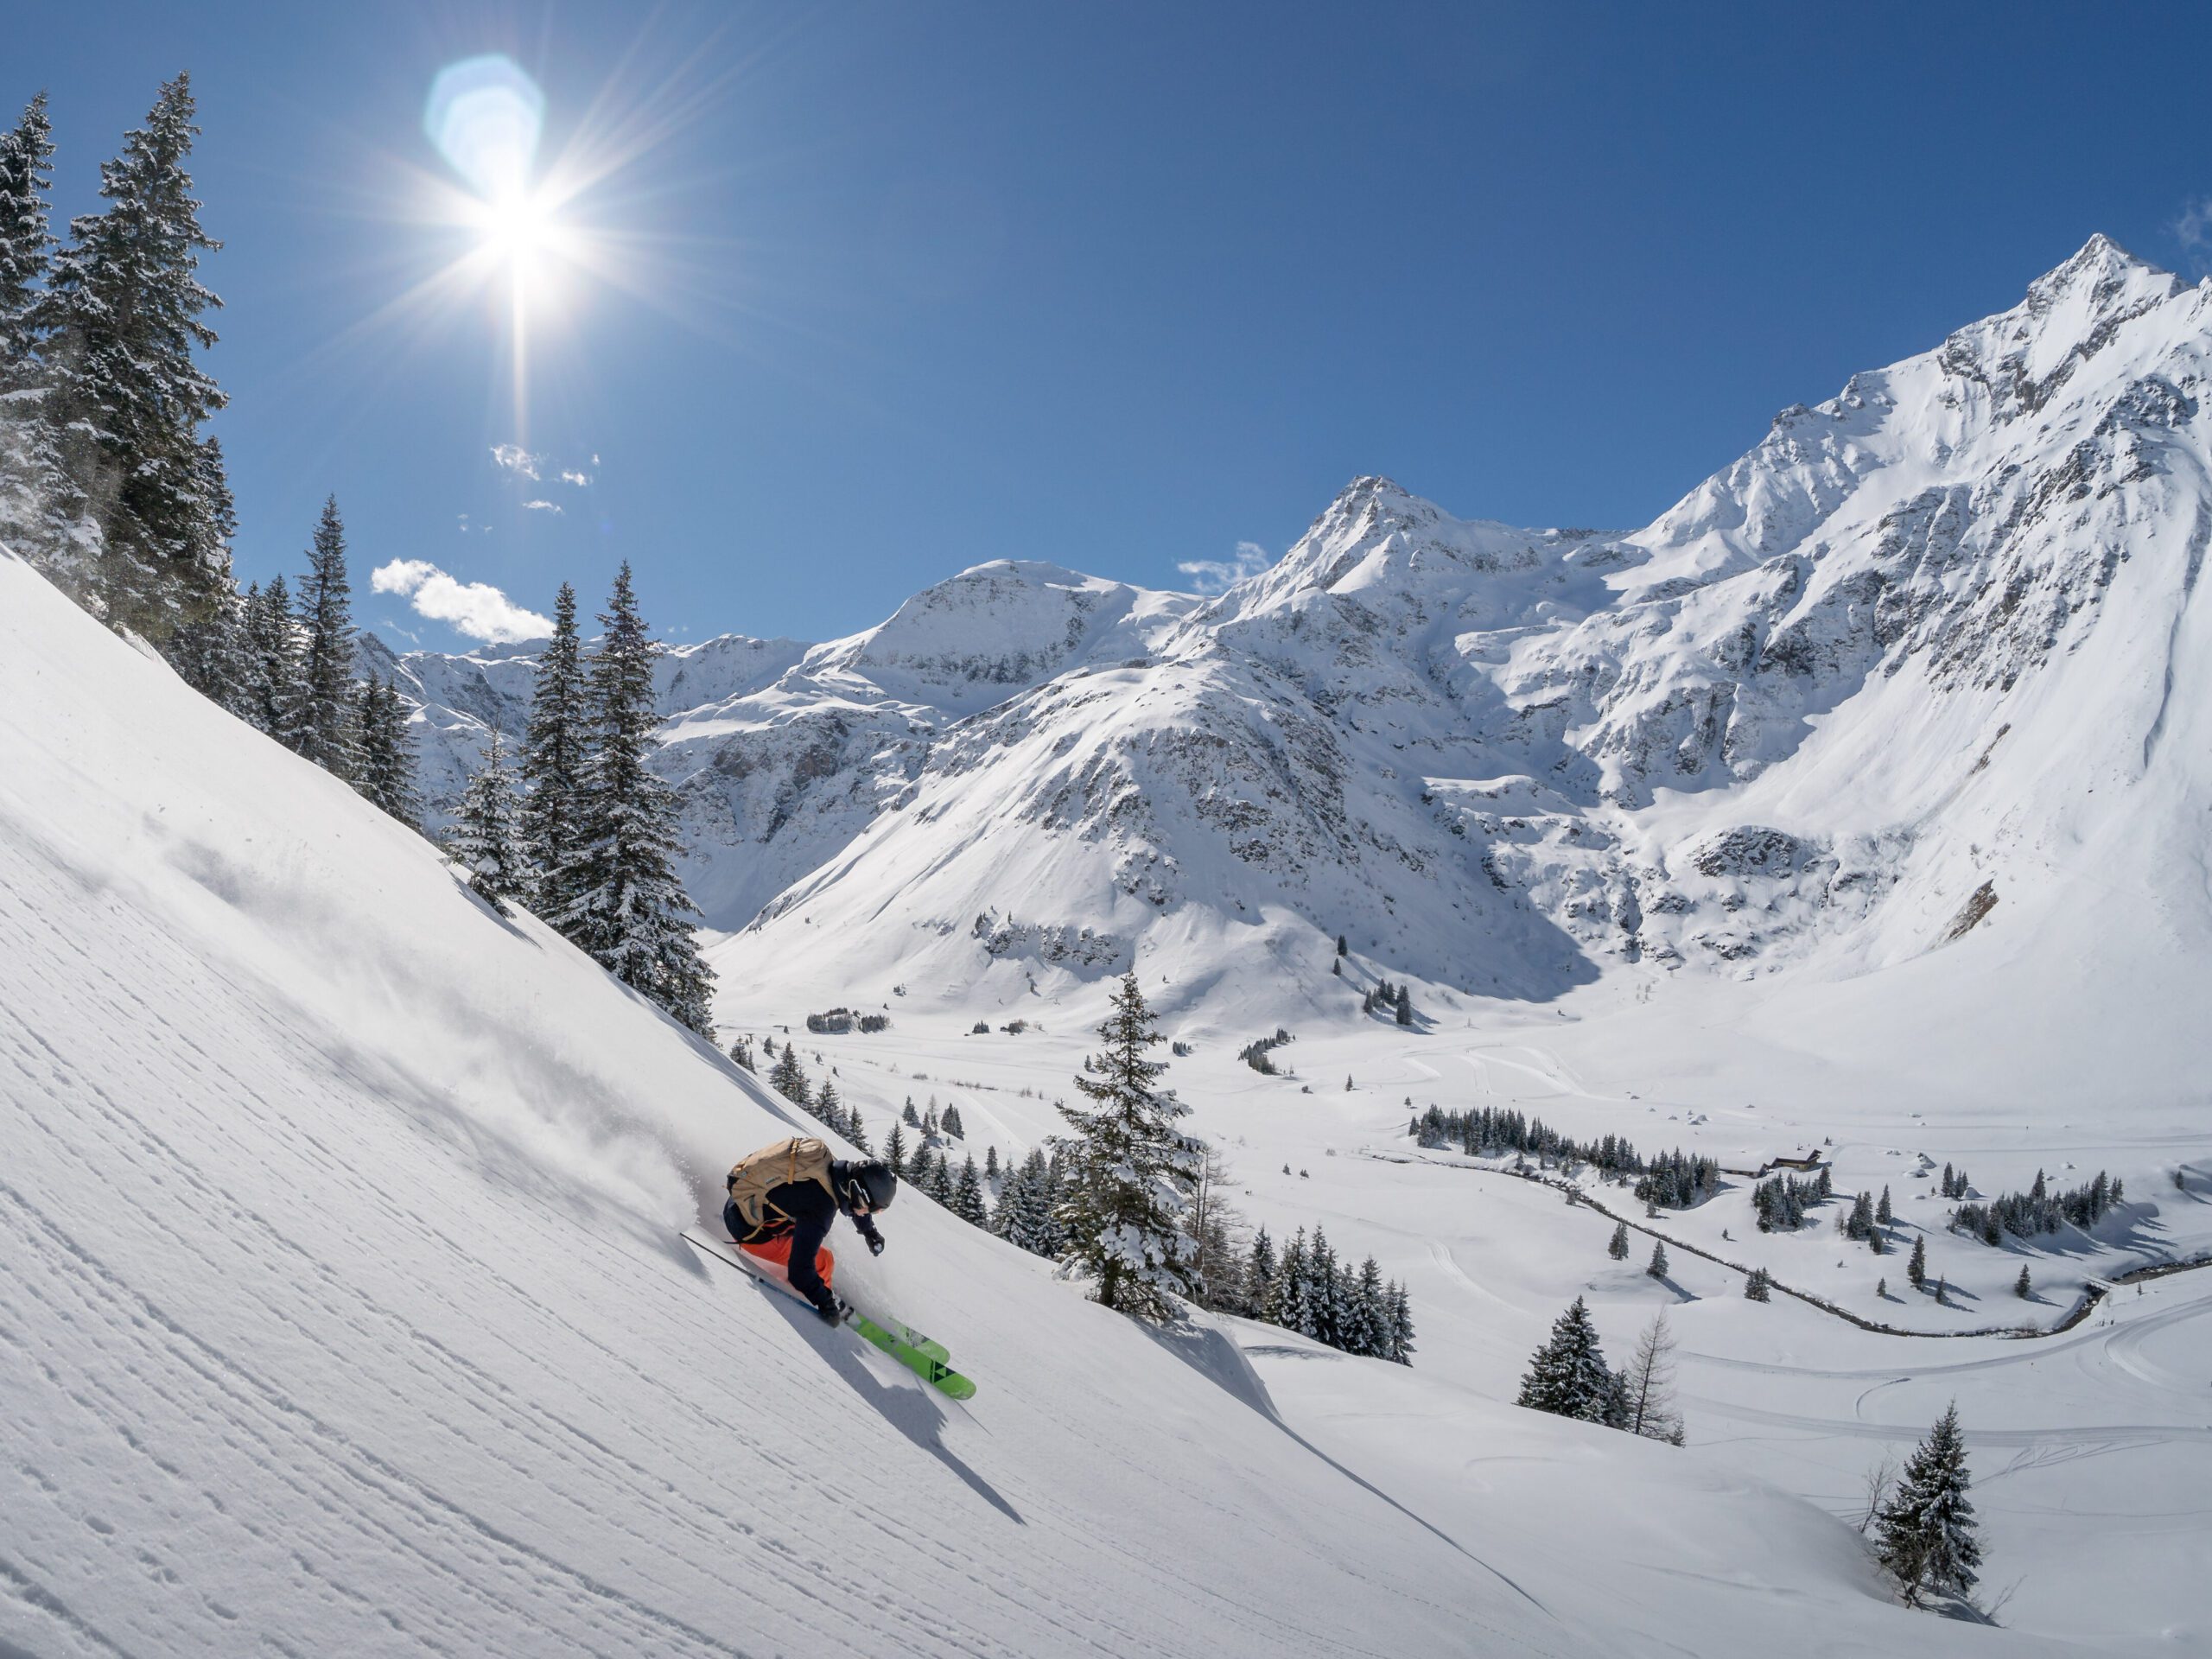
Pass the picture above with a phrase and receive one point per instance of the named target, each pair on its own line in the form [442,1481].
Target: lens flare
[485,115]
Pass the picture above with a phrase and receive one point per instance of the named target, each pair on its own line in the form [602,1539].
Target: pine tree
[894,1149]
[1859,1223]
[1286,1303]
[1130,1171]
[788,1079]
[1324,1315]
[1925,1535]
[828,1107]
[2022,1287]
[1658,1267]
[276,700]
[1650,1384]
[952,1124]
[120,322]
[384,755]
[1916,1270]
[555,746]
[968,1196]
[990,1163]
[1259,1276]
[1343,949]
[1883,1215]
[1759,1286]
[1401,1326]
[330,724]
[1567,1376]
[487,839]
[628,909]
[911,1118]
[43,512]
[209,652]
[1618,1248]
[1367,1316]
[1946,1185]
[26,242]
[1405,1008]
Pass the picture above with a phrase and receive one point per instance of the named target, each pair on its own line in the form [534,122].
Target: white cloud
[1211,577]
[540,506]
[577,479]
[516,459]
[476,608]
[2194,230]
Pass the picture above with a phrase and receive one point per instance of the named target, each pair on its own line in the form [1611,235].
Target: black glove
[874,1241]
[832,1309]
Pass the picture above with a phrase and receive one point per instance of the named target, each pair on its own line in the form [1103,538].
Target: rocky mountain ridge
[1786,721]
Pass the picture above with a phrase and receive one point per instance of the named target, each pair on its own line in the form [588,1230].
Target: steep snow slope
[344,1311]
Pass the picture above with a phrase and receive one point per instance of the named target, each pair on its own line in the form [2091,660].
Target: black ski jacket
[804,1211]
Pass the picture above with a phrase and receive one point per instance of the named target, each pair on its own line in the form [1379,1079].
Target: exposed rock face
[1498,758]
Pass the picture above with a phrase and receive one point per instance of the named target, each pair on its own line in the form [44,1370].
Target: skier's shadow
[906,1409]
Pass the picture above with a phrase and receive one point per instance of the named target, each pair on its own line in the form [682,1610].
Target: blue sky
[907,287]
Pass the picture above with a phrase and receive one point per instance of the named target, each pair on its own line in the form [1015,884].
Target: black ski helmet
[870,1183]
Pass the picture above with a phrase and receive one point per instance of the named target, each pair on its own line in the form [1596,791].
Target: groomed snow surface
[344,1312]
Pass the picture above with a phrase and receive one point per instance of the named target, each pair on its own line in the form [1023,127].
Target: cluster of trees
[589,840]
[1568,1376]
[1255,1053]
[1782,1202]
[837,1021]
[1397,998]
[930,1124]
[2038,1210]
[1678,1180]
[113,488]
[1867,1220]
[1489,1130]
[110,484]
[1310,1291]
[1954,1184]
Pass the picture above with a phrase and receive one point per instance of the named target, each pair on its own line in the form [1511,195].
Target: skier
[782,1201]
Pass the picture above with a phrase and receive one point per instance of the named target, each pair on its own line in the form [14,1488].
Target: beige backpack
[802,1158]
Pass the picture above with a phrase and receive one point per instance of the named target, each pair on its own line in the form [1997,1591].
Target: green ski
[934,1371]
[922,1354]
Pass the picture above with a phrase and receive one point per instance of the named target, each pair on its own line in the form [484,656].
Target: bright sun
[520,231]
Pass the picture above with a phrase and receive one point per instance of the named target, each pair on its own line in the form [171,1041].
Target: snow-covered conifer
[1915,1270]
[911,1118]
[1618,1248]
[487,839]
[1401,1326]
[952,1125]
[1883,1215]
[990,1163]
[26,242]
[968,1195]
[119,322]
[1925,1535]
[788,1077]
[828,1107]
[1568,1376]
[2023,1287]
[894,1149]
[627,907]
[330,723]
[1758,1285]
[1130,1169]
[555,746]
[740,1054]
[384,755]
[275,698]
[1657,1268]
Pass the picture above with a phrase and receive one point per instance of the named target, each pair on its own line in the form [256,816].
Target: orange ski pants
[778,1253]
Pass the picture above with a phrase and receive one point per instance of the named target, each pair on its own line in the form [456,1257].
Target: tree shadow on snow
[1216,1356]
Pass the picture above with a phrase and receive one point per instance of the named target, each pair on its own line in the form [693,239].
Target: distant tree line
[1673,1181]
